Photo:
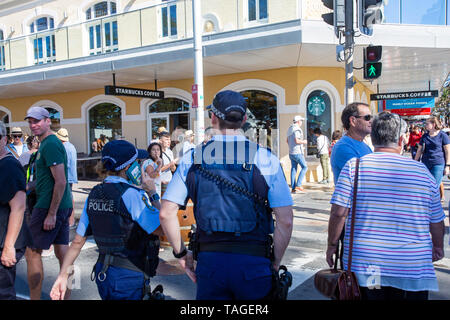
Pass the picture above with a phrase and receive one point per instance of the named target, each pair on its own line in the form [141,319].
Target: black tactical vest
[115,232]
[223,213]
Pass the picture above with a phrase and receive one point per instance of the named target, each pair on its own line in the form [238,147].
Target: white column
[199,123]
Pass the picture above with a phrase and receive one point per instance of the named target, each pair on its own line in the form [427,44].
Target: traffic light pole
[348,52]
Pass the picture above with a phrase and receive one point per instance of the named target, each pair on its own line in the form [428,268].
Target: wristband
[154,197]
[181,254]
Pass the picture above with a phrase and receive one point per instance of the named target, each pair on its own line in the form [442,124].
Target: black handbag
[339,284]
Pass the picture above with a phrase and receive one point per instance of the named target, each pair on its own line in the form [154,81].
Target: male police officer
[230,180]
[122,221]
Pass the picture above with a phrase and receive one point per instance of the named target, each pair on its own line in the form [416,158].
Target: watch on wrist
[181,254]
[154,197]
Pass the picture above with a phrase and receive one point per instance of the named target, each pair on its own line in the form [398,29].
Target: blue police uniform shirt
[137,203]
[279,194]
[345,149]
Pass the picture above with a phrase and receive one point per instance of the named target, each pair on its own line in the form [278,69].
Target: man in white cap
[72,176]
[188,141]
[296,141]
[49,223]
[17,147]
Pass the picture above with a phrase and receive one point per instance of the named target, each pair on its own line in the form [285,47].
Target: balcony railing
[160,23]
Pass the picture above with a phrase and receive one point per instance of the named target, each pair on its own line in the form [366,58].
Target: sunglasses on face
[367,117]
[17,136]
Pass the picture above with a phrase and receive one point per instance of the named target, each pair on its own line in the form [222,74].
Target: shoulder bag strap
[352,228]
[12,151]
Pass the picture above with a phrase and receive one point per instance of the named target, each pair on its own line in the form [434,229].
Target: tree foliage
[442,107]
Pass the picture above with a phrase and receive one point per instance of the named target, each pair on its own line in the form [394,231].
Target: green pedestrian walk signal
[372,66]
[372,70]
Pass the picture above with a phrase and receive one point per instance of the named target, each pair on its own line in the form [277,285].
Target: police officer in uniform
[234,185]
[123,222]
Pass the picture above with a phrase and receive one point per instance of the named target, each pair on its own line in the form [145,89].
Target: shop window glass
[318,114]
[261,125]
[169,105]
[171,113]
[55,117]
[4,117]
[431,12]
[105,119]
[392,11]
[2,51]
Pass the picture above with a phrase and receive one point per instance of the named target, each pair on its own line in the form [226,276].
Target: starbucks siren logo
[316,106]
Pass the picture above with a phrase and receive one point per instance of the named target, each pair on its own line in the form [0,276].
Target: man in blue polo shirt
[357,120]
[232,182]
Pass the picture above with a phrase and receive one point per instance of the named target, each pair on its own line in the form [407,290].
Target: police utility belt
[110,260]
[261,250]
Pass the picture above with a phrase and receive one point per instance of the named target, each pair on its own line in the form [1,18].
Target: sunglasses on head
[367,117]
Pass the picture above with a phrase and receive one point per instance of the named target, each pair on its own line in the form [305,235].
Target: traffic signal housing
[370,12]
[335,18]
[372,66]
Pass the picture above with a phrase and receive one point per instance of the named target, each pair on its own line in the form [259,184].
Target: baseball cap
[298,118]
[37,113]
[226,101]
[62,134]
[189,133]
[118,154]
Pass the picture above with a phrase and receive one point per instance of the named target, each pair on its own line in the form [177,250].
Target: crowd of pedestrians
[399,215]
[42,179]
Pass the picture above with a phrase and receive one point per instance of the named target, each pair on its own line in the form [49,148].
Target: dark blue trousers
[228,276]
[119,284]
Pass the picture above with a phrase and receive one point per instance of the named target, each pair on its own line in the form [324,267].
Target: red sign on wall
[408,111]
[194,96]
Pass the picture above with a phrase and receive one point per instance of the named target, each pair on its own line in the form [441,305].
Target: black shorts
[43,239]
[8,278]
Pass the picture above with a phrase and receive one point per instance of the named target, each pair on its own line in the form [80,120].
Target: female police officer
[123,224]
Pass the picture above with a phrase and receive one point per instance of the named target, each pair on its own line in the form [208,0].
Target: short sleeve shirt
[12,180]
[51,152]
[345,149]
[434,148]
[167,157]
[397,199]
[157,180]
[295,132]
[279,194]
[72,176]
[138,205]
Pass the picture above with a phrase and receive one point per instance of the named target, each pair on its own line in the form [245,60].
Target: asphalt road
[304,256]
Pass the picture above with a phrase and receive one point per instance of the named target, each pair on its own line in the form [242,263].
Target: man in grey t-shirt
[296,141]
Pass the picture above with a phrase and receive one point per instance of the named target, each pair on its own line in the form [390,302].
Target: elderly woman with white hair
[399,228]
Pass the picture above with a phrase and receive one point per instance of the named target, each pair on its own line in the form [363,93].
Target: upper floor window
[169,19]
[44,46]
[430,12]
[41,24]
[257,10]
[2,51]
[101,9]
[103,33]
